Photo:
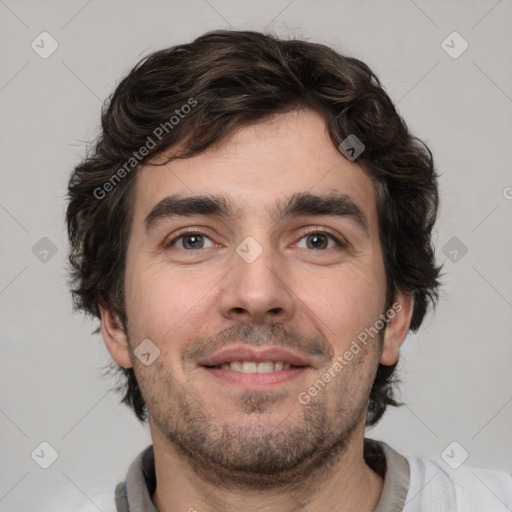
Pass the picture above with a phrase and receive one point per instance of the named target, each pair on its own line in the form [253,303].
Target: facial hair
[260,454]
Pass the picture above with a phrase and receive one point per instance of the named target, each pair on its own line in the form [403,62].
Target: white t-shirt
[438,488]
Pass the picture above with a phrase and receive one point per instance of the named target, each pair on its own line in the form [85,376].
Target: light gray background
[456,371]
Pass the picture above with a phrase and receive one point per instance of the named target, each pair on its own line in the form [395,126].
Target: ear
[399,315]
[114,337]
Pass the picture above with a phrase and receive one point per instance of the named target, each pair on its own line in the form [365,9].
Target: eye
[319,240]
[191,241]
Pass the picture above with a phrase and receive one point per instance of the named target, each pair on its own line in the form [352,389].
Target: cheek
[167,307]
[345,302]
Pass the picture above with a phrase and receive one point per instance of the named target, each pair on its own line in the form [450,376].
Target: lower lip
[256,380]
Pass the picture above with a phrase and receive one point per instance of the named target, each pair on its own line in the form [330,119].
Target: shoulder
[99,497]
[465,489]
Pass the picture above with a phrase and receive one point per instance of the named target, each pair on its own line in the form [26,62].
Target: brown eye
[320,241]
[191,241]
[317,241]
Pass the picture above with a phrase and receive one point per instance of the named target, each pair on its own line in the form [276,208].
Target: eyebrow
[298,204]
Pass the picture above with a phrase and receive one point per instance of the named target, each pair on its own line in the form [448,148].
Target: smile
[254,367]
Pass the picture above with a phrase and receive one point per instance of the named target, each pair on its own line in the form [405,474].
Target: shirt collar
[134,494]
[394,468]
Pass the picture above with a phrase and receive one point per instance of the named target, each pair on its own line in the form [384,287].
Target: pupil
[190,240]
[317,241]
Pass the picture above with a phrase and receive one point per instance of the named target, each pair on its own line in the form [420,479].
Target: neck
[344,483]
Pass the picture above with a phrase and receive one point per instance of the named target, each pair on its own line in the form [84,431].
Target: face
[252,268]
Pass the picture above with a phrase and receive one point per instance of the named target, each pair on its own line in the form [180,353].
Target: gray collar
[134,494]
[395,473]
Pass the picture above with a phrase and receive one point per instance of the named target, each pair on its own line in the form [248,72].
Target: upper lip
[256,354]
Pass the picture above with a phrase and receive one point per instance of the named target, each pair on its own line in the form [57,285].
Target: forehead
[259,165]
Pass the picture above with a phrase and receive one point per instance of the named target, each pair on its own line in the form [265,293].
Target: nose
[257,291]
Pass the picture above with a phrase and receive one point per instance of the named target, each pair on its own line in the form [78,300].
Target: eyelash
[340,243]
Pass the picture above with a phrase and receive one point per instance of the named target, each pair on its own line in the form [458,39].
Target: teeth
[236,366]
[253,367]
[249,367]
[267,366]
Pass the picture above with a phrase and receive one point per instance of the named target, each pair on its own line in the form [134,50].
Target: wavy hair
[239,78]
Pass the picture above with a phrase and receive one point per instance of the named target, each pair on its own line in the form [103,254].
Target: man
[253,229]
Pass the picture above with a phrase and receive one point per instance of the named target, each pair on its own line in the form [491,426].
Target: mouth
[255,367]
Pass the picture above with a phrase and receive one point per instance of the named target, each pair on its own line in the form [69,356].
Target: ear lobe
[399,315]
[115,338]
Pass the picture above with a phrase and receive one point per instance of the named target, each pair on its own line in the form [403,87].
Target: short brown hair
[233,79]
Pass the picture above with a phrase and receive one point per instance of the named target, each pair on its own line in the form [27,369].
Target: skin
[228,446]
